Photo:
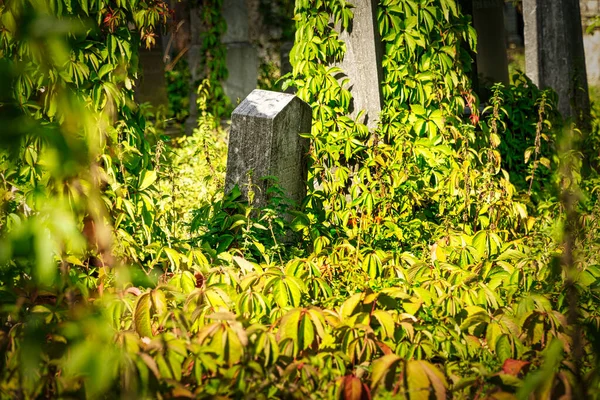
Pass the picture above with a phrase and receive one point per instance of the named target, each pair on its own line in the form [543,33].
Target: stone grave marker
[264,140]
[194,61]
[241,56]
[488,21]
[152,85]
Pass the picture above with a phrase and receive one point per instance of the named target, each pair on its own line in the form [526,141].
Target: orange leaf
[513,367]
[354,389]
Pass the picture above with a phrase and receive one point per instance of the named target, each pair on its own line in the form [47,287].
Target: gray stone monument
[152,85]
[511,18]
[264,140]
[488,20]
[194,62]
[242,58]
[362,63]
[554,53]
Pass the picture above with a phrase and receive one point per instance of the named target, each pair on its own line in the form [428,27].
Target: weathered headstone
[554,54]
[488,20]
[265,140]
[362,63]
[242,58]
[194,62]
[511,22]
[152,85]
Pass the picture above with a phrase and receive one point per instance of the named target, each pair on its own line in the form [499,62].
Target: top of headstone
[264,103]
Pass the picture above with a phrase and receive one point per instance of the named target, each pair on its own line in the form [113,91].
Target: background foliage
[440,255]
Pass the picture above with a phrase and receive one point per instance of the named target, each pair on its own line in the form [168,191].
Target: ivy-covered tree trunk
[554,53]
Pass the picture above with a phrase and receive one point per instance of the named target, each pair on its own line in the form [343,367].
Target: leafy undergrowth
[440,255]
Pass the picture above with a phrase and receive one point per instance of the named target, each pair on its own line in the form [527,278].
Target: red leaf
[513,367]
[385,348]
[354,389]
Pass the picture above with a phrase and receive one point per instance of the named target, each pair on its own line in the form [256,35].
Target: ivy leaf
[417,380]
[147,178]
[141,316]
[349,306]
[185,281]
[504,348]
[386,321]
[246,266]
[418,109]
[353,388]
[513,367]
[105,69]
[436,378]
[421,375]
[174,256]
[159,301]
[384,368]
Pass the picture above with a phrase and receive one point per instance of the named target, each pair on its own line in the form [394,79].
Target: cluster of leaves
[431,184]
[79,167]
[419,265]
[69,105]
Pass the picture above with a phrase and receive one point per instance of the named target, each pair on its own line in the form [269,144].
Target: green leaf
[184,281]
[504,348]
[147,178]
[421,376]
[386,321]
[141,316]
[105,69]
[159,301]
[349,306]
[539,383]
[174,257]
[384,368]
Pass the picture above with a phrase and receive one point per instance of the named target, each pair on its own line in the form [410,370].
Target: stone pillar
[591,44]
[488,20]
[591,41]
[265,140]
[554,54]
[362,63]
[511,22]
[242,59]
[152,86]
[194,62]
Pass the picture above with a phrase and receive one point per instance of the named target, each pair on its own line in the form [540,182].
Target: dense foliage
[443,254]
